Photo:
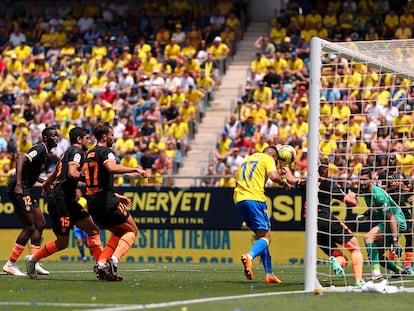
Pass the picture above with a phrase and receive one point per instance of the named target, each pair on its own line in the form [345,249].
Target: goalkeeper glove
[396,249]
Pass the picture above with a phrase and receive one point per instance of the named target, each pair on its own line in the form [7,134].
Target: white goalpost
[366,86]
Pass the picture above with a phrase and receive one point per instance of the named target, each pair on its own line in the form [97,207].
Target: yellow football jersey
[252,175]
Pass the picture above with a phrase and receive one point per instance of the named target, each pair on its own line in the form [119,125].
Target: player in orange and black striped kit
[28,169]
[107,207]
[63,208]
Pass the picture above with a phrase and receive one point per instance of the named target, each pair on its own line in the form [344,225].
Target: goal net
[360,116]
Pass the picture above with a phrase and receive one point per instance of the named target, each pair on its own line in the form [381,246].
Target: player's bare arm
[73,171]
[115,168]
[19,168]
[350,199]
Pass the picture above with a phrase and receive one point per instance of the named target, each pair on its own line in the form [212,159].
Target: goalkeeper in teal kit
[390,223]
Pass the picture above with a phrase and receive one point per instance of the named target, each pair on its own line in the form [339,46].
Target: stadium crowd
[148,70]
[365,114]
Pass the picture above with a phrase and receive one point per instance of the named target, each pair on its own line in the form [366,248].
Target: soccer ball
[287,154]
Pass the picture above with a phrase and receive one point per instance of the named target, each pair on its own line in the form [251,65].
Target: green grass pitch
[181,287]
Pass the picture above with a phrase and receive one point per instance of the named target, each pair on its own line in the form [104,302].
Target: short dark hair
[323,165]
[75,133]
[100,129]
[48,131]
[271,149]
[366,171]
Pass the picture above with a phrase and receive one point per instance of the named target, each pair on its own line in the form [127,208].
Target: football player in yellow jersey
[249,197]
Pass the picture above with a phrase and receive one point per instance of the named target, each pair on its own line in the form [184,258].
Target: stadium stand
[153,71]
[149,70]
[276,87]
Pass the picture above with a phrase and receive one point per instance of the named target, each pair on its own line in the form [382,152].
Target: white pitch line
[192,301]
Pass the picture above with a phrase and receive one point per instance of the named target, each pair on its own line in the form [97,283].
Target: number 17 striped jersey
[97,177]
[252,175]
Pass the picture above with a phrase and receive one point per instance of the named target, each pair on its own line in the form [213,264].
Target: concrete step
[212,125]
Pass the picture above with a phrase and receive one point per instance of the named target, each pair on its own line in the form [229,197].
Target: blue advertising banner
[192,208]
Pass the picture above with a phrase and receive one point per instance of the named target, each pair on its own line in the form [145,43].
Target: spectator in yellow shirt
[277,33]
[84,97]
[179,131]
[123,144]
[54,97]
[287,111]
[194,96]
[65,128]
[392,20]
[62,39]
[22,51]
[99,49]
[192,65]
[63,83]
[259,114]
[142,49]
[172,52]
[188,112]
[313,18]
[263,95]
[341,110]
[78,80]
[259,66]
[327,146]
[299,131]
[227,180]
[23,142]
[15,66]
[308,32]
[219,49]
[163,36]
[93,110]
[7,80]
[329,20]
[149,63]
[62,112]
[97,82]
[5,173]
[129,160]
[403,31]
[108,113]
[76,112]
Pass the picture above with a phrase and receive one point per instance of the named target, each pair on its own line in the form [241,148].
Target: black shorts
[106,209]
[23,203]
[64,213]
[407,212]
[331,233]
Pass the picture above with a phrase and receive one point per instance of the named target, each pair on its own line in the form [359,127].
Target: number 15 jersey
[252,175]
